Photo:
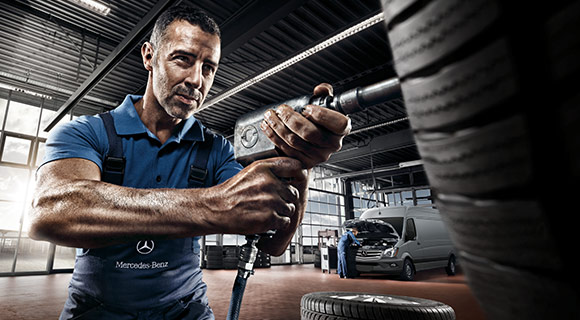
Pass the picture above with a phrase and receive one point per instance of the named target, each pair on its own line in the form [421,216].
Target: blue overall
[146,279]
[345,241]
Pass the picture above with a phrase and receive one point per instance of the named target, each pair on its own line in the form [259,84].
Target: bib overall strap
[114,164]
[198,170]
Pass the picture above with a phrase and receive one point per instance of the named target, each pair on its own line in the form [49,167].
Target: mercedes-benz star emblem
[145,246]
[249,136]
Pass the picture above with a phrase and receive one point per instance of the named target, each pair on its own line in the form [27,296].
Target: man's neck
[155,118]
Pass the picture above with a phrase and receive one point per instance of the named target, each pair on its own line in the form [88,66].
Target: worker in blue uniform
[135,188]
[346,240]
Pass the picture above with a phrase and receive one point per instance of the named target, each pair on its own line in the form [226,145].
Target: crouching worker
[135,188]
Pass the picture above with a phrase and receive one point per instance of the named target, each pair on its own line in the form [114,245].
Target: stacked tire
[491,93]
[231,257]
[214,257]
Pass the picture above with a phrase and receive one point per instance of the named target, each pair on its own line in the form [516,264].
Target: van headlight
[390,252]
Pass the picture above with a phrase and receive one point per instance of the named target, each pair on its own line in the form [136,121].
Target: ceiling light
[305,54]
[26,91]
[94,5]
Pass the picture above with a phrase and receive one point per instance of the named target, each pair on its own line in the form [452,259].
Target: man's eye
[181,58]
[208,69]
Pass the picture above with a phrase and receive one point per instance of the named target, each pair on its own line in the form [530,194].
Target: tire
[451,266]
[491,93]
[408,272]
[354,305]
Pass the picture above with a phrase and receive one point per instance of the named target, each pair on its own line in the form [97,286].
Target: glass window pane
[229,239]
[13,183]
[3,103]
[314,207]
[22,118]
[8,242]
[315,218]
[32,255]
[64,258]
[16,150]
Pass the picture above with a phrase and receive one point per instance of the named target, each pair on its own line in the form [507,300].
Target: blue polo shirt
[145,274]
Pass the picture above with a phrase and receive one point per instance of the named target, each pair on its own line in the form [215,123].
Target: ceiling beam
[117,55]
[252,20]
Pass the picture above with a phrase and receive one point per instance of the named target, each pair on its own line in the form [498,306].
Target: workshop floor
[272,293]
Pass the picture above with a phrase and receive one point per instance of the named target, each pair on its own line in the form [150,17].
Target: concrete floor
[272,293]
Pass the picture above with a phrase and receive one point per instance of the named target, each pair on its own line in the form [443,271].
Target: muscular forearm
[86,213]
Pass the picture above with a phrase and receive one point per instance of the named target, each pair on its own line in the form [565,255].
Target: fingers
[333,121]
[298,137]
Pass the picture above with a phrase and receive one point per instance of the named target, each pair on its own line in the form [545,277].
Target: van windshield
[396,222]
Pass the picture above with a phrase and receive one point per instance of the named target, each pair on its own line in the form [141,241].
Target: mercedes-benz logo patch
[145,246]
[249,136]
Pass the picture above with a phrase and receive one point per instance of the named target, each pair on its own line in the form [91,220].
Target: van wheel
[355,305]
[408,272]
[450,269]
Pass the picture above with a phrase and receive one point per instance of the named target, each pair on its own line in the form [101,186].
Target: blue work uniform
[147,279]
[345,241]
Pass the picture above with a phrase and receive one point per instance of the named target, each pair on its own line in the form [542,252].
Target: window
[16,150]
[22,118]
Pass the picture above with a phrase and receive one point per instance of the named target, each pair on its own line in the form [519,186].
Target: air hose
[248,254]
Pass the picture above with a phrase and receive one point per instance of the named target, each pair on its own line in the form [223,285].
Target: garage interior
[62,59]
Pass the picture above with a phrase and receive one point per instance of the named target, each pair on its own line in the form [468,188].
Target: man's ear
[147,55]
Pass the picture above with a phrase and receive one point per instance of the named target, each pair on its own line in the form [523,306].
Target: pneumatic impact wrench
[251,144]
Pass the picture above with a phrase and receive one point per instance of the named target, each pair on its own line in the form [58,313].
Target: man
[140,256]
[346,240]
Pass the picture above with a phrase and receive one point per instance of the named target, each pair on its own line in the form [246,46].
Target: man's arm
[72,207]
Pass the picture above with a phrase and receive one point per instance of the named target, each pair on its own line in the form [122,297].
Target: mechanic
[346,240]
[139,240]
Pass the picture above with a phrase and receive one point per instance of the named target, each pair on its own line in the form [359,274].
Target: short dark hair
[187,13]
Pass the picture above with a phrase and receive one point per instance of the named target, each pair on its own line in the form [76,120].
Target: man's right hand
[268,194]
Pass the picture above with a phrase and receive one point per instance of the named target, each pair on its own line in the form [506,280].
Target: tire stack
[214,257]
[492,95]
[231,257]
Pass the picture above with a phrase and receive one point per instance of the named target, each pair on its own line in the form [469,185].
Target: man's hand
[268,194]
[310,137]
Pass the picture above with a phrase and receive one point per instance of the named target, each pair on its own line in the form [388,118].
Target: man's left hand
[310,137]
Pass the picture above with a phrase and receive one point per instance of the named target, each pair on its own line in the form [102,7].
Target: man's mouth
[188,99]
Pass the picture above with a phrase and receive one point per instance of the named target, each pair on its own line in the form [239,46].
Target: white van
[423,243]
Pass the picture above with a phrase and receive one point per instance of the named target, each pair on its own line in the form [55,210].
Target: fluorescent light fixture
[303,55]
[26,91]
[94,5]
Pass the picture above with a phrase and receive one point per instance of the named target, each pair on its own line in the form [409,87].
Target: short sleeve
[84,138]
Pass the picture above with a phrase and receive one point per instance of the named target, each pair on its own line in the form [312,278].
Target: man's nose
[194,77]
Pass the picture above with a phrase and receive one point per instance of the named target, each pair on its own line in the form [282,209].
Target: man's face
[183,68]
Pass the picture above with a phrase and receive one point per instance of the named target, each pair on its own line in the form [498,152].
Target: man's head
[182,58]
[354,231]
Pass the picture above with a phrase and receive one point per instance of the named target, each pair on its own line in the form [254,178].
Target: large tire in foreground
[354,305]
[492,94]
